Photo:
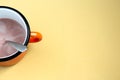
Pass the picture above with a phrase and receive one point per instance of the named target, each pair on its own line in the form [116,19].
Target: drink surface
[10,30]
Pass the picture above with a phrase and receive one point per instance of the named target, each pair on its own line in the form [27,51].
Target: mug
[31,37]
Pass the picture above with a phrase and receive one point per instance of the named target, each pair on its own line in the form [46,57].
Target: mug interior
[17,16]
[7,13]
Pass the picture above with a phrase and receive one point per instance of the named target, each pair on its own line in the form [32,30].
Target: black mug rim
[28,34]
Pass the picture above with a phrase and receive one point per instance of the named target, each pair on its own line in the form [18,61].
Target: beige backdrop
[81,40]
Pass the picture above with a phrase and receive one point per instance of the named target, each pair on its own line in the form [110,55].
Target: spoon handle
[17,46]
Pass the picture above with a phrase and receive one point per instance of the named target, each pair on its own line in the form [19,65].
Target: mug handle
[35,37]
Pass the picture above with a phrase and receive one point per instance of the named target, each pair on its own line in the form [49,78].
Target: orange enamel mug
[31,37]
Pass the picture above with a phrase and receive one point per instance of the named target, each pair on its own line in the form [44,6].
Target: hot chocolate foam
[10,30]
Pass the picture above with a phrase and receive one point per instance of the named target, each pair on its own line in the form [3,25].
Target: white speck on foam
[2,27]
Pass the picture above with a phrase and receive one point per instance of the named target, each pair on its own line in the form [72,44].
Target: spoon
[18,46]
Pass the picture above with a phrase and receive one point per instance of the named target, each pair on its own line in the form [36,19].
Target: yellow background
[81,40]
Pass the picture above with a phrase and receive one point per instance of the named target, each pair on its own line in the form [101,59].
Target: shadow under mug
[31,37]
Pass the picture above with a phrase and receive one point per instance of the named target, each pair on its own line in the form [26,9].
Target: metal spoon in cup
[19,47]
